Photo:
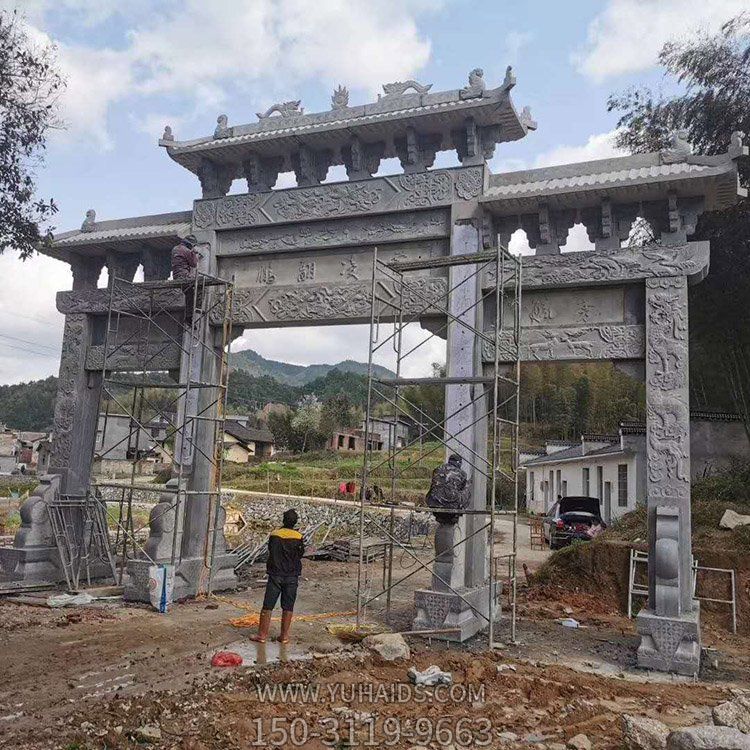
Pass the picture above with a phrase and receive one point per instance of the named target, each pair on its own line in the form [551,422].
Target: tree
[337,413]
[29,90]
[306,420]
[714,74]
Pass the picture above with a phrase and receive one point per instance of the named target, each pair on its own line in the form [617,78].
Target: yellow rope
[252,620]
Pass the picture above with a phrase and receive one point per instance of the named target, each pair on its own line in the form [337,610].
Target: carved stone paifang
[130,358]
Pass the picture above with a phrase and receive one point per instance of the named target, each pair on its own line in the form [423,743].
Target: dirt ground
[116,676]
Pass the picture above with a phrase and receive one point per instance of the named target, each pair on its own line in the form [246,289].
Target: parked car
[572,518]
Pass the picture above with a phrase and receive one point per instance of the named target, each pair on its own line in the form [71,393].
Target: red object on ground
[226,659]
[351,488]
[342,488]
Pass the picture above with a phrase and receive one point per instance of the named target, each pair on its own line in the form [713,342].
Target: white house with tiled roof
[610,467]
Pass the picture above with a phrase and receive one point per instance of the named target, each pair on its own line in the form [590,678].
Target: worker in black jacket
[284,567]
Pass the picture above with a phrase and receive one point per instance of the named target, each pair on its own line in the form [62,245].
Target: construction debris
[708,738]
[389,646]
[431,676]
[69,600]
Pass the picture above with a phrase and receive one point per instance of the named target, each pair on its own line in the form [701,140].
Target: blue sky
[134,67]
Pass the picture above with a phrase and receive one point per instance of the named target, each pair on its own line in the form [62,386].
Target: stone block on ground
[644,733]
[579,742]
[708,738]
[734,713]
[731,520]
[390,646]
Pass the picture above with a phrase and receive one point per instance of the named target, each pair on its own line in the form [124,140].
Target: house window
[341,441]
[622,485]
[559,482]
[585,482]
[600,482]
[352,444]
[552,496]
[531,487]
[565,488]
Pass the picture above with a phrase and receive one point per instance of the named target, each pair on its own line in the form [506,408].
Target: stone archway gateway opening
[298,257]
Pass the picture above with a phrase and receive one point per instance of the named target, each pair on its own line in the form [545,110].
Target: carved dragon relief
[668,416]
[322,302]
[376,195]
[611,266]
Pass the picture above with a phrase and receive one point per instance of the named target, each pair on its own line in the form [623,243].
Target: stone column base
[670,644]
[187,579]
[34,563]
[437,610]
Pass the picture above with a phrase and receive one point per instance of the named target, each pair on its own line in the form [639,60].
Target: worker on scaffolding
[184,268]
[284,567]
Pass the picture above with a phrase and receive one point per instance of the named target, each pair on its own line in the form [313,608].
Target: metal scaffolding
[146,333]
[497,276]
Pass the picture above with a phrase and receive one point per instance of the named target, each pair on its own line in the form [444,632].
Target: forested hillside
[28,406]
[256,365]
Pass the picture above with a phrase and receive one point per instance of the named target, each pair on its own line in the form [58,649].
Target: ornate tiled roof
[639,177]
[383,119]
[159,230]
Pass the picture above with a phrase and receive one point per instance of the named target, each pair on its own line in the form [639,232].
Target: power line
[26,341]
[49,355]
[45,321]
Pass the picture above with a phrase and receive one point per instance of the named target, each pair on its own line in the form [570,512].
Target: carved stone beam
[122,265]
[362,160]
[157,264]
[157,357]
[626,265]
[310,166]
[215,179]
[261,173]
[416,151]
[96,301]
[86,271]
[572,343]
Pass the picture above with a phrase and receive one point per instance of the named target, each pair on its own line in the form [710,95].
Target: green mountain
[298,375]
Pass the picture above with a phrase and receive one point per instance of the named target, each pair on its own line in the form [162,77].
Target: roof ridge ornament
[340,98]
[476,86]
[399,88]
[679,150]
[167,135]
[89,223]
[222,127]
[284,109]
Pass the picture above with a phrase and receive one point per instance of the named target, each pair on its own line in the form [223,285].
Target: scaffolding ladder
[147,326]
[498,274]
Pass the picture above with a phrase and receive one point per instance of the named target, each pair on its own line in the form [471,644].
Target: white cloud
[514,42]
[627,35]
[30,326]
[198,50]
[598,146]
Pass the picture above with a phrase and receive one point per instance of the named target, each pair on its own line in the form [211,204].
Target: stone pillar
[76,407]
[669,627]
[195,514]
[466,435]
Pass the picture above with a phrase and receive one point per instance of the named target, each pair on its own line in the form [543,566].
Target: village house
[612,467]
[243,443]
